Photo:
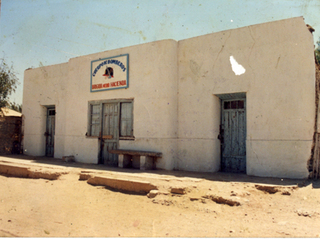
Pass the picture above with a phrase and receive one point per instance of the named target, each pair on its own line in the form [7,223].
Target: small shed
[10,131]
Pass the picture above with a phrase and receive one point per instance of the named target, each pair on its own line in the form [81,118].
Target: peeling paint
[195,68]
[237,68]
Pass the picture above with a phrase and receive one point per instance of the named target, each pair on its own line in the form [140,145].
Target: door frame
[49,115]
[231,97]
[102,140]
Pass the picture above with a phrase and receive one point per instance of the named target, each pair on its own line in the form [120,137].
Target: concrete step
[118,182]
[121,184]
[25,171]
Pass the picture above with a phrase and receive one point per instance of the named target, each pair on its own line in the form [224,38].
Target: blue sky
[45,32]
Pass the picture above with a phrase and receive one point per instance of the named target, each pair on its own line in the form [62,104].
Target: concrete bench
[147,159]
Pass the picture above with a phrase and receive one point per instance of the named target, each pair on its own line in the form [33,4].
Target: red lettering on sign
[119,83]
[107,85]
[96,86]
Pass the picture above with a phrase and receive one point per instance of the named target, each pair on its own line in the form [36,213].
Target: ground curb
[11,170]
[135,186]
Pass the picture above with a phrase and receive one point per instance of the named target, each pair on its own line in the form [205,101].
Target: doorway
[50,131]
[110,121]
[233,133]
[109,137]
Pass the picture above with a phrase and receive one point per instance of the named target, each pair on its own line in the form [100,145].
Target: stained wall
[175,88]
[279,82]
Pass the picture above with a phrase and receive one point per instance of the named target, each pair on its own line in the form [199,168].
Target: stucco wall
[44,86]
[152,85]
[279,85]
[176,110]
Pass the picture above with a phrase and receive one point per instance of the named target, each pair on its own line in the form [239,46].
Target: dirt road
[235,207]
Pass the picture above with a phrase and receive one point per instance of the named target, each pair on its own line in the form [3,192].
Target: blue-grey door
[50,131]
[110,133]
[233,135]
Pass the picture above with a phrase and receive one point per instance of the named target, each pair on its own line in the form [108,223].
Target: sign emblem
[109,73]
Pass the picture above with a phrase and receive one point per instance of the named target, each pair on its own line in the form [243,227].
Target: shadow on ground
[216,176]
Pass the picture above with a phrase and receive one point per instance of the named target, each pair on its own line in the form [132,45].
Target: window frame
[100,103]
[122,119]
[90,123]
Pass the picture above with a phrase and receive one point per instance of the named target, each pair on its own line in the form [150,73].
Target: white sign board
[109,73]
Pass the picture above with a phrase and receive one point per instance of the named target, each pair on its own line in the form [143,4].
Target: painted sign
[110,73]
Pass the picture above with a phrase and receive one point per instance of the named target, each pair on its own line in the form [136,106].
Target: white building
[252,87]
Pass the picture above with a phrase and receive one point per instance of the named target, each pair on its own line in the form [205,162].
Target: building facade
[241,100]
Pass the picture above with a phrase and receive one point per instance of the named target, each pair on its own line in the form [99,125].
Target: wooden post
[315,174]
[316,158]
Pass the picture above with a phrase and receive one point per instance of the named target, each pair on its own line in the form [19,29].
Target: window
[97,119]
[51,112]
[126,129]
[237,104]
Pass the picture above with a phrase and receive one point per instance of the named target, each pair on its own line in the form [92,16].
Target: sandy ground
[68,207]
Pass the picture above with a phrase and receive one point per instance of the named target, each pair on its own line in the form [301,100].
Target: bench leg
[127,160]
[120,161]
[124,160]
[143,162]
[146,163]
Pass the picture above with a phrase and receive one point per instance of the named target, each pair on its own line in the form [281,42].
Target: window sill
[127,138]
[120,138]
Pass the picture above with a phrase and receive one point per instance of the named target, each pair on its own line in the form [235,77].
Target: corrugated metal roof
[10,113]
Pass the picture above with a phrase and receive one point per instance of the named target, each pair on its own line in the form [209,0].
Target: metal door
[109,133]
[233,136]
[50,131]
